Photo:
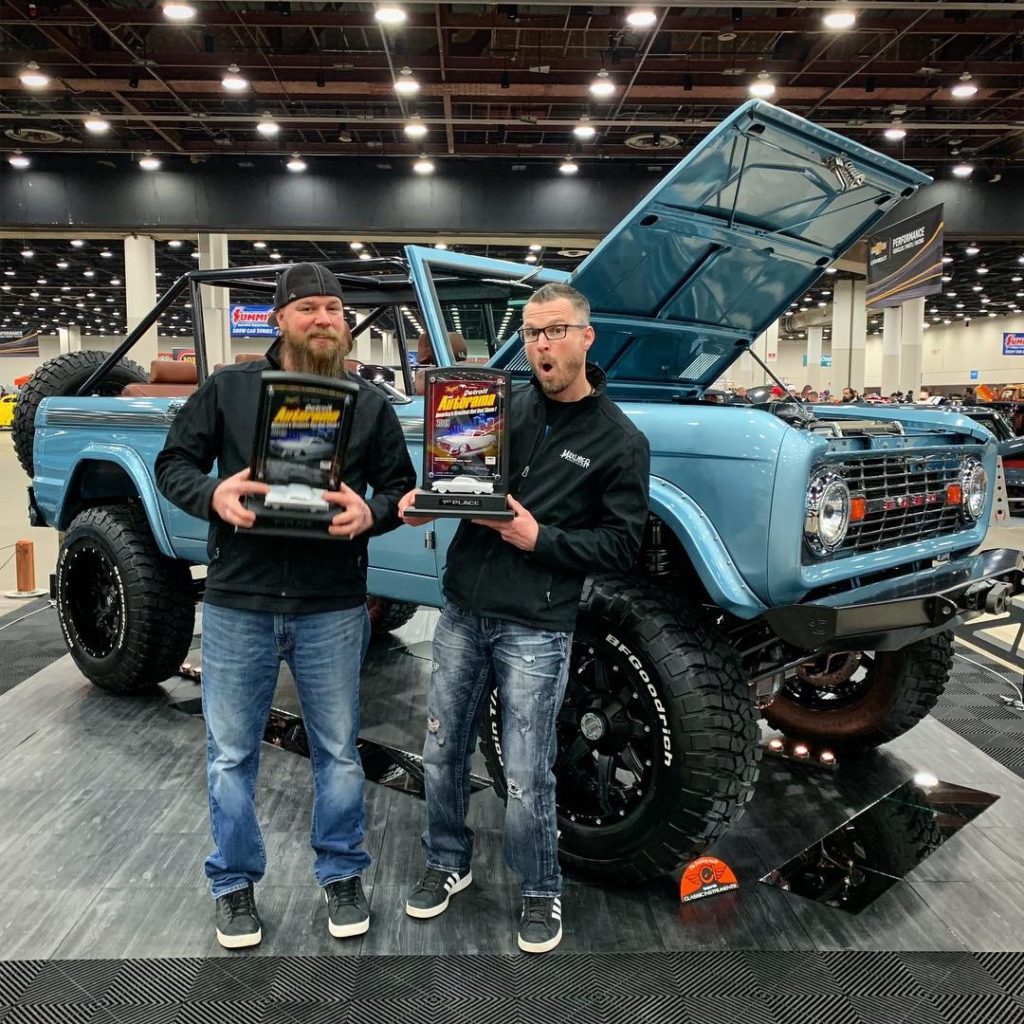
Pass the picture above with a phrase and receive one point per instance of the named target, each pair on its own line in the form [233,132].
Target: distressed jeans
[241,656]
[530,668]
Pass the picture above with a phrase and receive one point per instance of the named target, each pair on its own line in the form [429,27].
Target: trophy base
[461,506]
[292,520]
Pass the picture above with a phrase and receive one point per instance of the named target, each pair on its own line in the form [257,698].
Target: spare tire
[64,375]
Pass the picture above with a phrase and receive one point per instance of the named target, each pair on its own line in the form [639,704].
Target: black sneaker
[540,926]
[348,913]
[434,890]
[238,924]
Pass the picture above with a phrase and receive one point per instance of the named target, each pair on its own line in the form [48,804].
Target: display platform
[105,827]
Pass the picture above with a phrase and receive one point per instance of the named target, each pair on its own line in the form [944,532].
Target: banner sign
[18,343]
[251,322]
[1013,344]
[905,260]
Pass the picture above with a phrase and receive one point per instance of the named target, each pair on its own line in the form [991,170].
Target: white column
[213,255]
[892,329]
[70,338]
[140,294]
[849,334]
[911,338]
[814,336]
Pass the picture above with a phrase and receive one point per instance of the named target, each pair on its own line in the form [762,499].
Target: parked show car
[805,563]
[7,404]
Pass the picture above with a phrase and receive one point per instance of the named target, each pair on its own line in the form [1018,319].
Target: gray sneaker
[348,913]
[238,923]
[434,890]
[540,926]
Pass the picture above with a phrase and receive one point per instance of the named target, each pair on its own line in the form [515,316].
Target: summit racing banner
[251,322]
[905,260]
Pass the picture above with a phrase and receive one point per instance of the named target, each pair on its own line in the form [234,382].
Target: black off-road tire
[898,690]
[126,610]
[64,375]
[387,615]
[691,737]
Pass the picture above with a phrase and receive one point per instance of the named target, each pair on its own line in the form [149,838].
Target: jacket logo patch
[577,460]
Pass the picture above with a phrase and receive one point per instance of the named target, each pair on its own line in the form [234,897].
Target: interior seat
[168,378]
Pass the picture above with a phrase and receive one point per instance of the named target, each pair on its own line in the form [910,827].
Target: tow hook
[991,595]
[997,600]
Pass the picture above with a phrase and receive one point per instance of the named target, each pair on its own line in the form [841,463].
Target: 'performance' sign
[905,260]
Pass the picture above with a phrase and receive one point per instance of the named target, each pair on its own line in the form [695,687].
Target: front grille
[906,496]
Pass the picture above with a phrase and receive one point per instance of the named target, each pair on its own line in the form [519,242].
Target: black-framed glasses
[553,332]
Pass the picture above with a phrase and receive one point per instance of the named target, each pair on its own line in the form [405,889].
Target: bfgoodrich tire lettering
[657,738]
[126,610]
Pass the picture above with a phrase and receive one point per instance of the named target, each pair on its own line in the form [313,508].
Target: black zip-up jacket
[278,574]
[586,483]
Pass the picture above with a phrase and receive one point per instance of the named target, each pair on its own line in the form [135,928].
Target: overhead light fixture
[233,79]
[415,128]
[406,84]
[149,162]
[441,245]
[841,19]
[584,130]
[390,14]
[535,247]
[175,243]
[178,11]
[107,254]
[259,245]
[568,166]
[275,255]
[531,258]
[423,165]
[982,270]
[296,165]
[268,127]
[63,264]
[965,87]
[78,243]
[963,170]
[355,245]
[641,17]
[895,132]
[96,124]
[762,87]
[27,253]
[32,78]
[19,160]
[366,256]
[949,259]
[602,86]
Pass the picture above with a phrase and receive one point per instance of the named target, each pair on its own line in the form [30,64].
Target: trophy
[465,444]
[302,431]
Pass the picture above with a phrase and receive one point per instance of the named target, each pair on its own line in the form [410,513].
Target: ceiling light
[275,255]
[963,170]
[19,160]
[602,86]
[423,165]
[62,264]
[535,247]
[296,165]
[965,88]
[268,127]
[178,11]
[78,242]
[584,129]
[88,273]
[982,270]
[149,162]
[440,245]
[405,84]
[96,124]
[531,258]
[27,253]
[194,254]
[895,132]
[175,243]
[32,78]
[568,166]
[259,245]
[840,19]
[830,270]
[355,245]
[975,287]
[107,254]
[233,80]
[365,256]
[415,128]
[641,17]
[390,14]
[762,87]
[972,250]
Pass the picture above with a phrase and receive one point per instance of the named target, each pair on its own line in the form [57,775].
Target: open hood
[744,225]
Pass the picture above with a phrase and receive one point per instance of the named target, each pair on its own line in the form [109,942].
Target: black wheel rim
[809,691]
[93,601]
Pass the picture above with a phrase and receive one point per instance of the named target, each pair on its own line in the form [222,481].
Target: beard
[567,371]
[308,353]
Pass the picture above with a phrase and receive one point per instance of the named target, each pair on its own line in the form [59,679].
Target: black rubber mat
[30,639]
[707,987]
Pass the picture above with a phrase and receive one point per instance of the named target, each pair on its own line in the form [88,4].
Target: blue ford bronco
[805,564]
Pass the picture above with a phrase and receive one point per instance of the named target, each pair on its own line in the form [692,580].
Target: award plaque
[302,430]
[465,444]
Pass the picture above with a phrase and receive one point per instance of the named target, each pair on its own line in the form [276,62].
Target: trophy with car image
[465,444]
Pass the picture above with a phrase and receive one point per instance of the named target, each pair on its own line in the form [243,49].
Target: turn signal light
[954,494]
[858,509]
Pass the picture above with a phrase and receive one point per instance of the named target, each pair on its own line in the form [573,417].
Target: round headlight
[974,487]
[828,512]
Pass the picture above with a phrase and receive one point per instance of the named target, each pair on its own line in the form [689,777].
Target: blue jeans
[242,652]
[530,668]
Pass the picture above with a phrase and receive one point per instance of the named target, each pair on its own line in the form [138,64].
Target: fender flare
[704,547]
[135,468]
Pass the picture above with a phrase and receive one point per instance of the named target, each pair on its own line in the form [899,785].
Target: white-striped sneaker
[540,926]
[434,890]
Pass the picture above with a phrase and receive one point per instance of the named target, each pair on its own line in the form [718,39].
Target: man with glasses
[578,487]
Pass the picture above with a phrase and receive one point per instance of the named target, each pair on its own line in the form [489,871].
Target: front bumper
[891,614]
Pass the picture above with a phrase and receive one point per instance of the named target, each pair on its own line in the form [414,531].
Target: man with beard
[578,487]
[297,600]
